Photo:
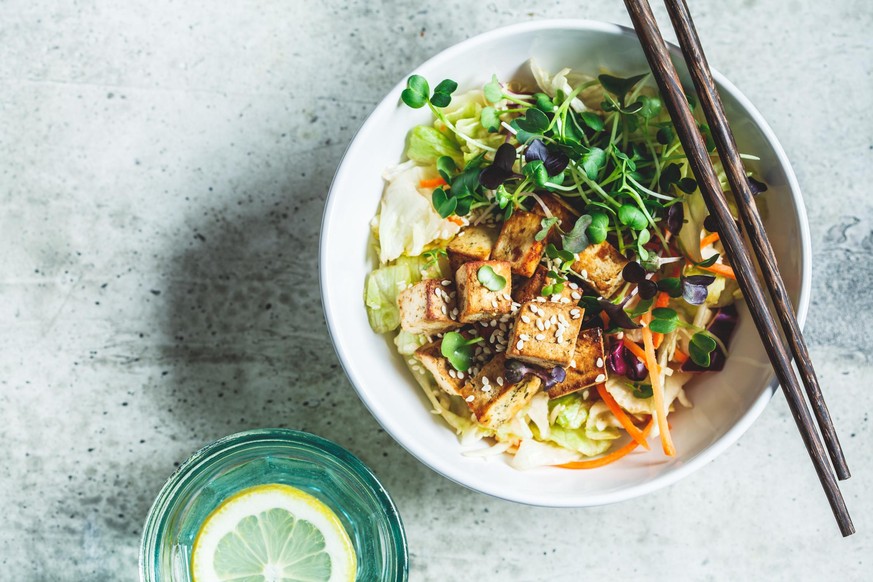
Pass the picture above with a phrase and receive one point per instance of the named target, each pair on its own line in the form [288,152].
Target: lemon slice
[272,533]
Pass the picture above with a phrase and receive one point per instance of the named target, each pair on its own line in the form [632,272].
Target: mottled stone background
[163,167]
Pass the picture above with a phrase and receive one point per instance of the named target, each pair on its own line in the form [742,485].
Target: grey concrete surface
[163,167]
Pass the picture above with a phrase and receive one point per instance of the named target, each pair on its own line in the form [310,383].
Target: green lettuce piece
[577,440]
[407,342]
[380,294]
[426,144]
[573,411]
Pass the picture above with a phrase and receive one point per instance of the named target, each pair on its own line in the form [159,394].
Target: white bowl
[725,404]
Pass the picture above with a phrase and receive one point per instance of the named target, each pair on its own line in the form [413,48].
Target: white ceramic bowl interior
[725,404]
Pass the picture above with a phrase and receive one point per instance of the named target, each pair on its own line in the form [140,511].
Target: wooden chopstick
[711,104]
[695,148]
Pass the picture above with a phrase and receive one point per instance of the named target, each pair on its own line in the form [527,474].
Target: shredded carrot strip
[605,319]
[623,418]
[456,219]
[662,301]
[719,269]
[637,351]
[611,457]
[657,388]
[708,240]
[680,356]
[432,182]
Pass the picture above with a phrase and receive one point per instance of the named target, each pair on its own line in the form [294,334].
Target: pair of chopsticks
[695,148]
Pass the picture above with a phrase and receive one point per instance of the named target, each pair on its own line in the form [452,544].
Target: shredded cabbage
[572,411]
[380,294]
[578,440]
[407,221]
[426,144]
[407,342]
[566,82]
[465,112]
[532,453]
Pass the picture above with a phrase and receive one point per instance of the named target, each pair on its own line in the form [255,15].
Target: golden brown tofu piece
[518,245]
[545,333]
[558,208]
[492,399]
[474,243]
[531,288]
[438,365]
[600,267]
[428,307]
[588,367]
[476,301]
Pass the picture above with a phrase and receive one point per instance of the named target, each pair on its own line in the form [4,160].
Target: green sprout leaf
[577,240]
[630,215]
[593,161]
[642,391]
[534,121]
[536,171]
[592,120]
[490,119]
[544,102]
[619,86]
[665,320]
[672,286]
[415,94]
[642,239]
[458,350]
[442,93]
[444,204]
[708,262]
[546,224]
[640,308]
[565,257]
[651,107]
[489,279]
[493,91]
[599,227]
[700,347]
[446,167]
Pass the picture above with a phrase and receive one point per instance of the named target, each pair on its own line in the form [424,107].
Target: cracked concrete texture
[162,172]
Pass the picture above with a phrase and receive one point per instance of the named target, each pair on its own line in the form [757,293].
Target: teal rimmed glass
[263,456]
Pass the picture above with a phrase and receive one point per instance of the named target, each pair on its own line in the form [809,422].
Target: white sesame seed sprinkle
[507,297]
[493,323]
[486,388]
[519,345]
[460,375]
[500,380]
[540,325]
[576,295]
[573,286]
[572,363]
[485,380]
[600,378]
[453,374]
[523,337]
[445,283]
[599,362]
[444,310]
[470,398]
[533,307]
[540,337]
[494,303]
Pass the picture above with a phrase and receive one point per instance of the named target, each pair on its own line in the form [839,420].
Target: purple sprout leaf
[694,288]
[675,218]
[555,161]
[647,289]
[617,315]
[501,169]
[757,187]
[633,272]
[515,370]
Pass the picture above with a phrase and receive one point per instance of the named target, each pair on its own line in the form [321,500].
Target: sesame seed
[504,319]
[460,375]
[446,283]
[533,307]
[504,327]
[410,361]
[600,378]
[584,273]
[541,299]
[453,374]
[520,345]
[573,286]
[576,295]
[525,318]
[499,348]
[539,337]
[560,340]
[494,303]
[585,394]
[572,363]
[455,312]
[485,381]
[564,300]
[540,325]
[453,294]
[493,323]
[486,388]
[507,297]
[444,310]
[500,380]
[523,337]
[599,362]
[469,398]
[553,319]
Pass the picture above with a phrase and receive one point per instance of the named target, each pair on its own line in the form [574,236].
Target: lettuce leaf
[380,295]
[407,221]
[577,440]
[426,144]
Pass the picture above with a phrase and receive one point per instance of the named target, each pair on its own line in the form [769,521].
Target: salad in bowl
[547,268]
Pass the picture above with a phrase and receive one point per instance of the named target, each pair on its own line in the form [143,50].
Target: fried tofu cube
[492,399]
[476,301]
[545,333]
[474,243]
[428,307]
[588,367]
[531,288]
[600,267]
[518,245]
[439,366]
[559,209]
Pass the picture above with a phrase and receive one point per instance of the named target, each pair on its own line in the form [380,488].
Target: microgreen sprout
[490,279]
[458,350]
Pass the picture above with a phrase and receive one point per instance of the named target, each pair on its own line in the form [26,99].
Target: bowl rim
[709,453]
[159,511]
